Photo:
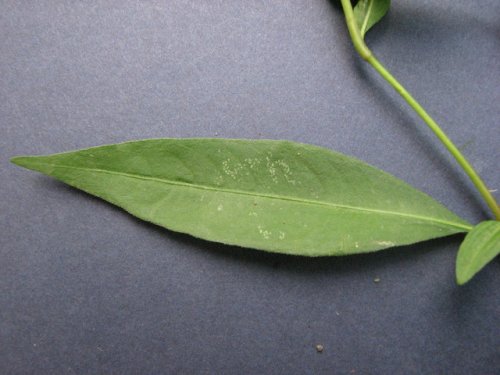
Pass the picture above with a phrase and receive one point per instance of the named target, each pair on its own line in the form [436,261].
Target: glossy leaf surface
[481,245]
[368,12]
[272,195]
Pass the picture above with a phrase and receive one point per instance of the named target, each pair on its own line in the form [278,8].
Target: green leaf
[272,195]
[481,245]
[368,12]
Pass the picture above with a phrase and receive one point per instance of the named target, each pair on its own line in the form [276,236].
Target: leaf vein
[367,17]
[270,196]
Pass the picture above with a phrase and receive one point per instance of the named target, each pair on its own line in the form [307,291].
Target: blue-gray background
[87,289]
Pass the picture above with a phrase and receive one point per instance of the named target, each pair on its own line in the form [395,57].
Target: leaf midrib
[270,196]
[367,17]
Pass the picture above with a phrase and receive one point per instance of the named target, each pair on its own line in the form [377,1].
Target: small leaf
[368,12]
[481,245]
[272,195]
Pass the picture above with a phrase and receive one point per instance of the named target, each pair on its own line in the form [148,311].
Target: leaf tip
[463,273]
[461,279]
[22,161]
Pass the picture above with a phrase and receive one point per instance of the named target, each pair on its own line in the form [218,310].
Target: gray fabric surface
[87,289]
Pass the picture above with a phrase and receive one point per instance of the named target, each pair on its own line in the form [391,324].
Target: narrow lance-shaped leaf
[272,195]
[481,245]
[368,12]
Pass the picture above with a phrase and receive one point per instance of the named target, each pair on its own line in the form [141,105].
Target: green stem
[356,37]
[367,55]
[462,161]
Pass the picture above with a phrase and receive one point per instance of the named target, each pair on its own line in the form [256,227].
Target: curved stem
[367,55]
[462,161]
[357,39]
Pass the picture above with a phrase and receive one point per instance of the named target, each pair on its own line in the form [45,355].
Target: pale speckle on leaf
[278,168]
[265,233]
[252,162]
[385,243]
[233,170]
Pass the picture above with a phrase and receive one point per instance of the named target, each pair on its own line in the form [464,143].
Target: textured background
[87,289]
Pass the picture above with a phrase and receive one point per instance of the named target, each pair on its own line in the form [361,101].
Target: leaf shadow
[471,302]
[368,263]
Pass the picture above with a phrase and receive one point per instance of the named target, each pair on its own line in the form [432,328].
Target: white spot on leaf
[252,162]
[231,169]
[219,180]
[385,243]
[264,233]
[279,169]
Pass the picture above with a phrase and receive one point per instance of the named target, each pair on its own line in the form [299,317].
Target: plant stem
[367,55]
[462,161]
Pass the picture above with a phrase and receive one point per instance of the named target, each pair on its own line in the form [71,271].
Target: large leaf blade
[368,12]
[480,246]
[273,195]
